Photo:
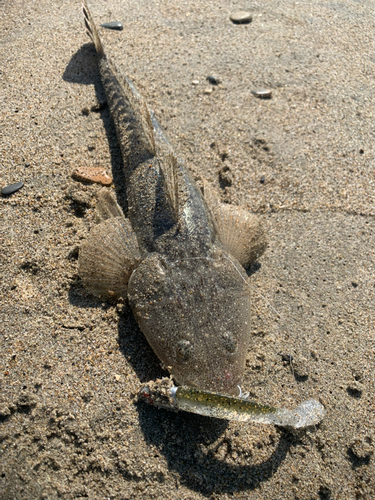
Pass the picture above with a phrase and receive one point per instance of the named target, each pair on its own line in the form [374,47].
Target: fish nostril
[229,342]
[184,349]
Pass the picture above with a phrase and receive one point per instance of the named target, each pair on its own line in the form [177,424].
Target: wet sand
[70,368]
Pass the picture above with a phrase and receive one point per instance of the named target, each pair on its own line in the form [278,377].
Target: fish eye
[184,349]
[229,342]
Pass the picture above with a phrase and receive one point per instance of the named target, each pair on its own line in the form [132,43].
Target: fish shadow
[132,343]
[191,442]
[135,348]
[83,69]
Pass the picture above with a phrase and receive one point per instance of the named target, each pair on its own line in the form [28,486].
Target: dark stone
[113,25]
[12,188]
[213,80]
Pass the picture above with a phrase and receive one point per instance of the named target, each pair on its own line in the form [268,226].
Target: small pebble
[12,188]
[287,358]
[262,179]
[262,93]
[113,25]
[195,82]
[213,80]
[92,174]
[241,17]
[207,91]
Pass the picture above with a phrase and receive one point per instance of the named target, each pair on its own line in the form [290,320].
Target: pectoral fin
[240,232]
[107,206]
[108,257]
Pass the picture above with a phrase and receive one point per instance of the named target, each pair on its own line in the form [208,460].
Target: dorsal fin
[168,166]
[169,170]
[91,29]
[136,118]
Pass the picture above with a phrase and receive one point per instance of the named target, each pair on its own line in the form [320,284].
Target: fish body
[178,256]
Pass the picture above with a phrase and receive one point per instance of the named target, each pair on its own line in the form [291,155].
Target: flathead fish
[178,256]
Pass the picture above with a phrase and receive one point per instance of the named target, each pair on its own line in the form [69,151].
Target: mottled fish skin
[189,295]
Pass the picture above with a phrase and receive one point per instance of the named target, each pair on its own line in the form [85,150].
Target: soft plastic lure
[164,394]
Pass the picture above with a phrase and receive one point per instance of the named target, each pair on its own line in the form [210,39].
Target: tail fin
[91,29]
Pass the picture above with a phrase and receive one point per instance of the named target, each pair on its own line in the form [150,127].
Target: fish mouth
[226,384]
[164,394]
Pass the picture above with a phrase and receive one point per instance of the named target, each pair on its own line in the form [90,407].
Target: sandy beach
[303,161]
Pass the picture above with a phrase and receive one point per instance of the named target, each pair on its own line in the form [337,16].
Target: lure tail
[91,29]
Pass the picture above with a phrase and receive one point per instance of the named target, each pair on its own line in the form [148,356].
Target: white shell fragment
[262,93]
[241,17]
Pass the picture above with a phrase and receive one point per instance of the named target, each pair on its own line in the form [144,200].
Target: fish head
[195,314]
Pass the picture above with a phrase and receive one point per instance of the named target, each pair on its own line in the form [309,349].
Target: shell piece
[97,175]
[108,257]
[107,206]
[240,232]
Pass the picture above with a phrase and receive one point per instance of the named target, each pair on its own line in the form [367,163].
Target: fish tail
[91,29]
